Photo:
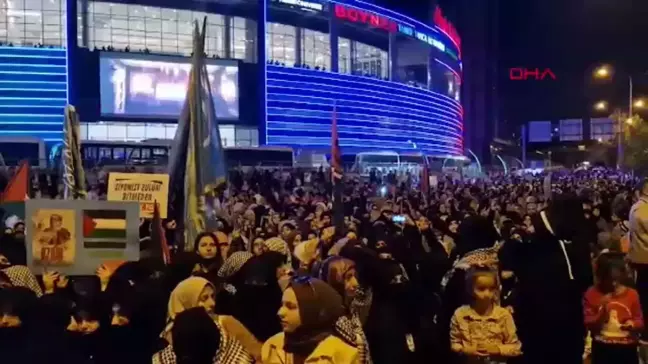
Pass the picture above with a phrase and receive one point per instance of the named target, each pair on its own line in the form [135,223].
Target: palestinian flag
[104,229]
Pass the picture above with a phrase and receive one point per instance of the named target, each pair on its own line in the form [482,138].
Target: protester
[387,284]
[613,313]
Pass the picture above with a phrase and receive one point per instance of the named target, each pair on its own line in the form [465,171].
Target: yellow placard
[54,240]
[145,188]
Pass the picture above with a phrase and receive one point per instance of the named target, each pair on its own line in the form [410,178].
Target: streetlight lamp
[601,106]
[605,72]
[640,104]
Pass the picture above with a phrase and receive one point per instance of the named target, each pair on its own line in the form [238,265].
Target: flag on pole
[159,246]
[425,178]
[197,164]
[17,188]
[337,176]
[73,173]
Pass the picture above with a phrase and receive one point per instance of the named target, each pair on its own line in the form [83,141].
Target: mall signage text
[363,17]
[534,74]
[445,25]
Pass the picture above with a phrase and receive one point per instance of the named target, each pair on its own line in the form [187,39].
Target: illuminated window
[371,61]
[280,43]
[160,30]
[316,49]
[602,129]
[243,39]
[344,55]
[31,22]
[134,132]
[571,130]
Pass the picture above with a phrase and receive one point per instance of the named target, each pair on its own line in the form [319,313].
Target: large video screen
[156,86]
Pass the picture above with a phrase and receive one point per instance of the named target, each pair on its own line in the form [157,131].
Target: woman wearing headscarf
[16,321]
[237,345]
[340,273]
[309,310]
[196,337]
[258,294]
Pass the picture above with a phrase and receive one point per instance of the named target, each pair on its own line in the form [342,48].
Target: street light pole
[620,138]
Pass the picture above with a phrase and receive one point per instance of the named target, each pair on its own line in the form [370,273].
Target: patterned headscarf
[487,257]
[22,276]
[280,246]
[233,264]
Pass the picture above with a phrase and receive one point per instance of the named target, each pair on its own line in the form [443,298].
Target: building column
[251,55]
[333,41]
[227,34]
[352,60]
[85,29]
[393,57]
[71,48]
[299,34]
[262,64]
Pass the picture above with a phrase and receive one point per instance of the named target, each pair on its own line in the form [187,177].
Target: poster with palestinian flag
[91,233]
[104,229]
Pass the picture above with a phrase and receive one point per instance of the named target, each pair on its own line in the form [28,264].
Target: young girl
[613,313]
[483,332]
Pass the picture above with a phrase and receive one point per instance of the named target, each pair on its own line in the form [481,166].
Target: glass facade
[370,60]
[316,49]
[231,135]
[344,55]
[571,130]
[32,22]
[280,43]
[160,30]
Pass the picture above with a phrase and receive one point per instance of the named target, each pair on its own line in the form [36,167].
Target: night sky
[570,37]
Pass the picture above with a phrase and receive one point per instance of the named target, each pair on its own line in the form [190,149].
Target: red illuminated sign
[525,74]
[444,24]
[364,17]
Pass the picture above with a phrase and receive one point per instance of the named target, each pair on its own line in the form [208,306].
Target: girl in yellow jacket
[309,310]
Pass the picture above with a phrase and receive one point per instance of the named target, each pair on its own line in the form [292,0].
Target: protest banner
[145,188]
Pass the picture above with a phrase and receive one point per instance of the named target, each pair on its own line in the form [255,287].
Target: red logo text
[363,17]
[535,74]
[444,24]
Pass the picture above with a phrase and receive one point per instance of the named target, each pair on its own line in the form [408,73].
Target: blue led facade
[371,113]
[33,92]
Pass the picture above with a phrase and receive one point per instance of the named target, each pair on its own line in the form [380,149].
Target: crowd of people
[529,269]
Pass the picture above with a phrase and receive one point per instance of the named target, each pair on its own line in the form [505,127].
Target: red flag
[89,225]
[158,236]
[336,157]
[17,188]
[425,180]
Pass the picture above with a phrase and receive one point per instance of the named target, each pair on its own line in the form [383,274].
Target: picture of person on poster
[54,242]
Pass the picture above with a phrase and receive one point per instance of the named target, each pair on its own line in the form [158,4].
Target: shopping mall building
[280,71]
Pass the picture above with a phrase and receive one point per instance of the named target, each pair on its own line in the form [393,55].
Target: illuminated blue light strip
[438,127]
[35,106]
[30,122]
[448,67]
[416,107]
[37,115]
[363,144]
[30,56]
[293,126]
[29,49]
[34,98]
[31,89]
[363,93]
[383,119]
[32,73]
[33,65]
[36,82]
[31,131]
[452,121]
[407,111]
[361,80]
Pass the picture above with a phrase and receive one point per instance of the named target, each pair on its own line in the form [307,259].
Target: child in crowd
[613,313]
[483,332]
